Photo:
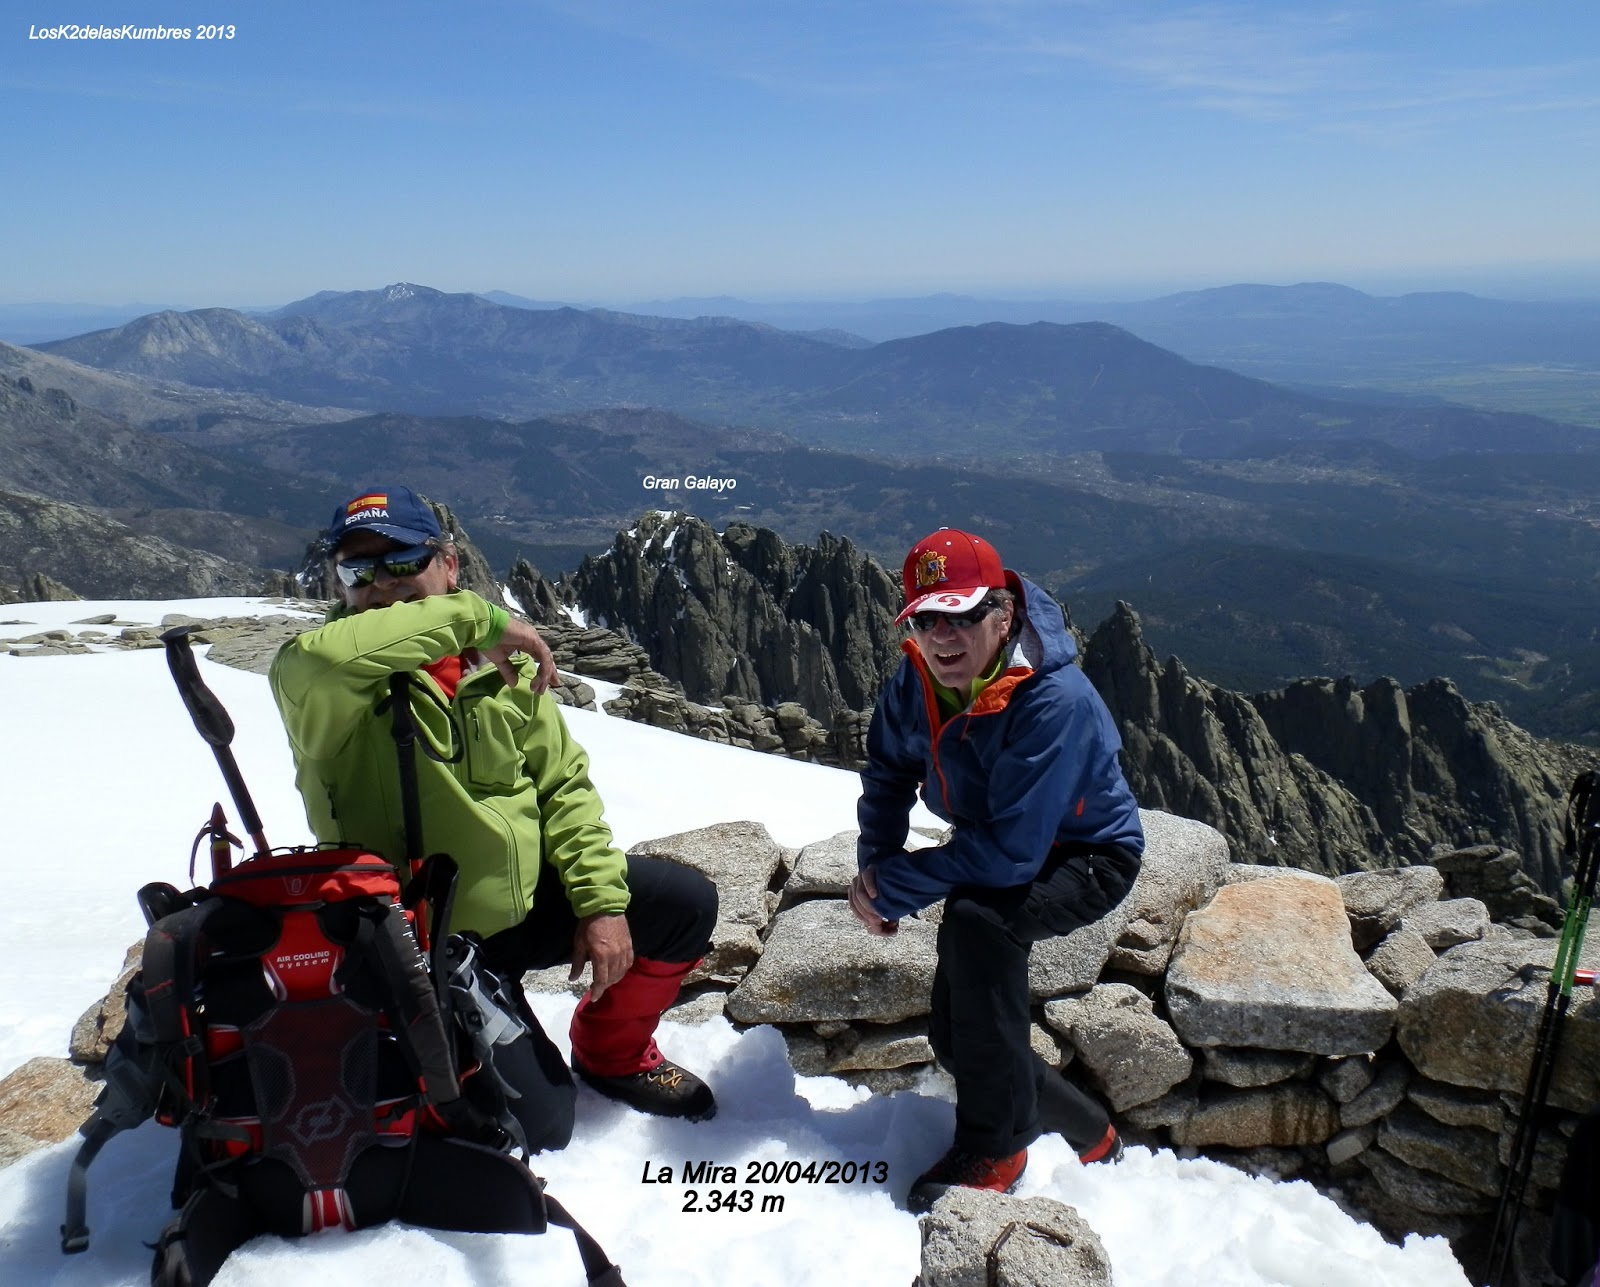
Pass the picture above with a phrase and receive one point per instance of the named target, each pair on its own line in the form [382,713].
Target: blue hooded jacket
[1032,762]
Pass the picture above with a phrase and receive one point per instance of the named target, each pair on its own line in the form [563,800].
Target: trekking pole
[214,726]
[1583,842]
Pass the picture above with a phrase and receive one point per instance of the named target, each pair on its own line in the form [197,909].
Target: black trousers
[1006,1096]
[670,916]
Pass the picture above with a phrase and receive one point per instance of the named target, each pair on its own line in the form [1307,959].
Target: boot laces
[667,1075]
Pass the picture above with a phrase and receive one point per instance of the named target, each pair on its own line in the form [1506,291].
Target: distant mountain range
[1262,533]
[994,389]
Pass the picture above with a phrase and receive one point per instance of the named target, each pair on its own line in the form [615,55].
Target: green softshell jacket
[516,794]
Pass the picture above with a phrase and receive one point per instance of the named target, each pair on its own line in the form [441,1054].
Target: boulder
[1185,862]
[859,1046]
[1422,1189]
[1133,1056]
[1283,1116]
[1073,962]
[1443,925]
[1344,1079]
[1376,900]
[1457,1107]
[46,1099]
[1247,1069]
[820,964]
[1472,1018]
[1348,1144]
[974,1238]
[741,859]
[1268,964]
[1401,959]
[99,1025]
[1388,1088]
[1465,1156]
[824,869]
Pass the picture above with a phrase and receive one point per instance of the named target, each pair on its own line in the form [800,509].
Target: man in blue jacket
[1009,742]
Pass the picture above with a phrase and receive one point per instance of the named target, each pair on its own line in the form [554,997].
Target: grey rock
[1443,925]
[746,614]
[824,868]
[1050,1045]
[859,1047]
[1287,1115]
[1495,877]
[1472,1018]
[1377,900]
[820,964]
[46,1099]
[1250,1068]
[1382,1097]
[1400,960]
[1268,964]
[1454,1106]
[1465,1156]
[1325,774]
[1344,1079]
[740,858]
[1072,962]
[1549,1152]
[1348,1144]
[14,1145]
[973,1238]
[1169,1112]
[1133,1056]
[699,1007]
[99,1025]
[1240,873]
[1422,1189]
[1184,863]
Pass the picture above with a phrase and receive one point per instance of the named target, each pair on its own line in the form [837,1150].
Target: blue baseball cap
[396,512]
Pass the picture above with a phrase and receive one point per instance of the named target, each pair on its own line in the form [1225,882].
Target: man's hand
[605,943]
[520,636]
[863,889]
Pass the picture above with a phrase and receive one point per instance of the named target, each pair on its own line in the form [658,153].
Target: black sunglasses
[922,622]
[355,573]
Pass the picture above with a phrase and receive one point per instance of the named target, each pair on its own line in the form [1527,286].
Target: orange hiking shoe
[1109,1149]
[961,1169]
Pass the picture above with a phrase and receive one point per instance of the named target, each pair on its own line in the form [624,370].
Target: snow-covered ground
[103,784]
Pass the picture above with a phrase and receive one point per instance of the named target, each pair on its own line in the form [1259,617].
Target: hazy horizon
[613,151]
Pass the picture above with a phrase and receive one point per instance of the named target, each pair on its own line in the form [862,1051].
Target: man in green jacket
[502,788]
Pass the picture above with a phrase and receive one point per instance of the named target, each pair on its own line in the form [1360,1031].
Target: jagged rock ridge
[745,614]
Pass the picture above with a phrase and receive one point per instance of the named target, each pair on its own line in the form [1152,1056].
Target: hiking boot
[665,1091]
[961,1169]
[1108,1150]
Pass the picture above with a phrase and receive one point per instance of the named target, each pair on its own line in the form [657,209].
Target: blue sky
[619,150]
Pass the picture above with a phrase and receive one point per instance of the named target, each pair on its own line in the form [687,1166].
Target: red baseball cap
[951,571]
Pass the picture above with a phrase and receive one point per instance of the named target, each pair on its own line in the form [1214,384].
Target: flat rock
[858,1047]
[1073,962]
[1283,1116]
[1376,900]
[1184,863]
[1421,1189]
[740,858]
[824,869]
[1268,964]
[1401,959]
[1133,1056]
[1454,1106]
[1247,1069]
[973,1238]
[1344,1079]
[1383,1096]
[1443,925]
[1348,1144]
[820,964]
[1465,1156]
[46,1099]
[1472,1018]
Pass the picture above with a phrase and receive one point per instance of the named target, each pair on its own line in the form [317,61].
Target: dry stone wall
[1281,1021]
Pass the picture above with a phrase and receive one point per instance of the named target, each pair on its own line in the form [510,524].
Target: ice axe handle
[213,724]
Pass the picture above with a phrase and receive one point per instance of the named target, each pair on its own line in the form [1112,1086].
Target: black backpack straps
[410,1002]
[155,1051]
[597,1265]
